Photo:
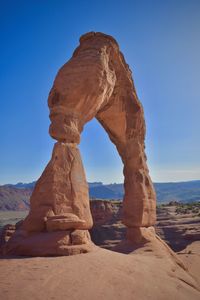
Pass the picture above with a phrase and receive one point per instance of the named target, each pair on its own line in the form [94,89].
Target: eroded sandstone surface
[149,255]
[95,82]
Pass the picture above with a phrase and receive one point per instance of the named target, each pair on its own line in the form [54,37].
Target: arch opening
[100,158]
[104,173]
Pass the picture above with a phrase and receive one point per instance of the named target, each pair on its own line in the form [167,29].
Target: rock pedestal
[60,200]
[60,216]
[95,82]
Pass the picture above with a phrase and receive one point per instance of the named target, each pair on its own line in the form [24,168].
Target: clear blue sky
[161,43]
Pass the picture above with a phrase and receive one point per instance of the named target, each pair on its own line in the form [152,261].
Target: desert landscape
[92,218]
[67,245]
[177,224]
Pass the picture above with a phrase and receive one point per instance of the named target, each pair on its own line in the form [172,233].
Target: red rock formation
[61,194]
[105,211]
[95,82]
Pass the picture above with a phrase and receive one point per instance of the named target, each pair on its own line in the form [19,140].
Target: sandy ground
[102,274]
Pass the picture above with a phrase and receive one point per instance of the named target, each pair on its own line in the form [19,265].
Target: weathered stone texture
[95,82]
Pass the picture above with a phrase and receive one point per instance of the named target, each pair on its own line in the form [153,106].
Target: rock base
[57,243]
[145,240]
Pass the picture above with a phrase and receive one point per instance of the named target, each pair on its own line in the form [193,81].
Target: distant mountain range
[16,196]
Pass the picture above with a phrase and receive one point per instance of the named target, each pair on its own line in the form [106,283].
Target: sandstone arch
[95,82]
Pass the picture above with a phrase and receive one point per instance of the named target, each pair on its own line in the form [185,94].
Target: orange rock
[56,243]
[105,211]
[107,93]
[62,190]
[95,82]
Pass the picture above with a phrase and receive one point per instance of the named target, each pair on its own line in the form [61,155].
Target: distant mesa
[17,197]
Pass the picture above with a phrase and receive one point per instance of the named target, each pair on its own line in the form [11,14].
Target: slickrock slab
[101,274]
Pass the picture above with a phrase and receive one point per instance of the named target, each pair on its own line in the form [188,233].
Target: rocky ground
[97,275]
[177,224]
[148,272]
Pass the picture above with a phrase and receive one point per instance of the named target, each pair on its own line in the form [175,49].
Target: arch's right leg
[124,122]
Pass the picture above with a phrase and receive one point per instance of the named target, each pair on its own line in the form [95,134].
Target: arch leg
[125,125]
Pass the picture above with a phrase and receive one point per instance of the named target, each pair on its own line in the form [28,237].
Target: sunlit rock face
[95,82]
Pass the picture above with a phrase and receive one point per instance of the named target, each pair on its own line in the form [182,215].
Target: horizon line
[154,182]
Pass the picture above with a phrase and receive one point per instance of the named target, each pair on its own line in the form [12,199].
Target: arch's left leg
[60,216]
